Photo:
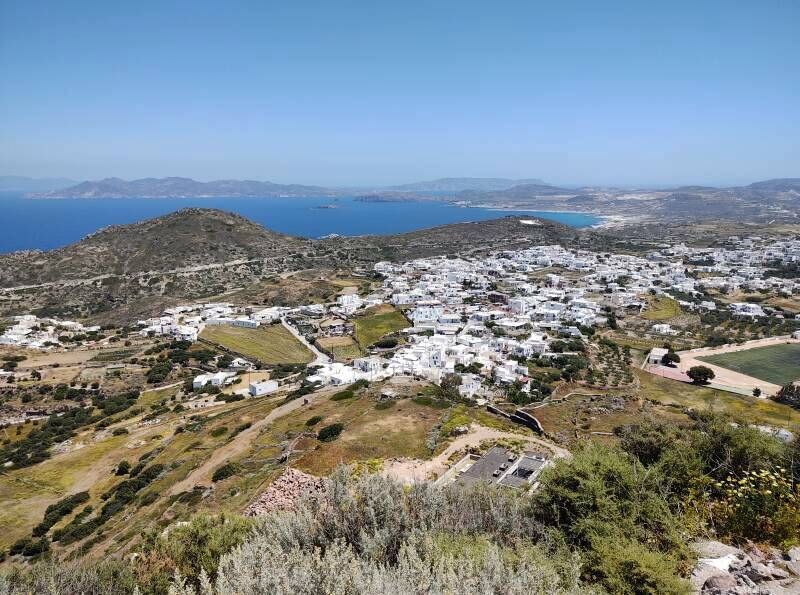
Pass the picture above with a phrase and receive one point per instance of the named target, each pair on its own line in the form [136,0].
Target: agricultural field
[661,308]
[342,348]
[778,364]
[377,322]
[272,344]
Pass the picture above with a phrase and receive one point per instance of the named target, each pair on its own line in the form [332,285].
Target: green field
[272,344]
[779,364]
[378,322]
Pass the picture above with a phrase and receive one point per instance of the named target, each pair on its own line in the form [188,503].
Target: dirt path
[411,470]
[239,444]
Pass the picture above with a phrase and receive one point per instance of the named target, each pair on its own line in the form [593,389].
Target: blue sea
[50,223]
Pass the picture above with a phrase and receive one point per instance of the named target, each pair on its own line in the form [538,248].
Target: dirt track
[239,444]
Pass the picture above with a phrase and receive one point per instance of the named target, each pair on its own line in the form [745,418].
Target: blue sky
[343,93]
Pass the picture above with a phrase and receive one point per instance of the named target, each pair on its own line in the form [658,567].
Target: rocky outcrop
[726,570]
[285,492]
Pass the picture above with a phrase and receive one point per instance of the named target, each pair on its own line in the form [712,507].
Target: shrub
[217,432]
[342,395]
[762,505]
[55,512]
[330,433]
[387,343]
[312,421]
[188,549]
[225,472]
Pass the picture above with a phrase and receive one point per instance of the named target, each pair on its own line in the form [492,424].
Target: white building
[262,387]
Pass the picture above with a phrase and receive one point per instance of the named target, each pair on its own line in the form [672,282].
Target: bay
[50,223]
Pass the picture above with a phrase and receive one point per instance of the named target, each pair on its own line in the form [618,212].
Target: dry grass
[760,411]
[272,344]
[661,308]
[343,348]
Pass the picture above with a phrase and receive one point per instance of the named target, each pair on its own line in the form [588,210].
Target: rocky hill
[183,239]
[125,271]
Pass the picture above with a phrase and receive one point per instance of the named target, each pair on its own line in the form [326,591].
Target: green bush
[312,421]
[342,395]
[330,433]
[188,549]
[225,472]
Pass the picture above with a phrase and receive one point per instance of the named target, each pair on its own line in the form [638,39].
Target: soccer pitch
[778,364]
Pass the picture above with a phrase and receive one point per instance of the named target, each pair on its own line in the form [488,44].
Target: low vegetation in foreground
[610,519]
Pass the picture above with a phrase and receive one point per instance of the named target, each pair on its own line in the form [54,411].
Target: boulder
[719,584]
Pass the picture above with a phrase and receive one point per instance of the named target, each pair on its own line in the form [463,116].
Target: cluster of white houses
[483,314]
[41,333]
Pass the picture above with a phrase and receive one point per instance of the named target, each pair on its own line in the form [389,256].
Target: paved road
[321,358]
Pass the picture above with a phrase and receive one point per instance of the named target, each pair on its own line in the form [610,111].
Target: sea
[27,224]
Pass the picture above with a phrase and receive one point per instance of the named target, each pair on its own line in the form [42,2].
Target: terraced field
[272,344]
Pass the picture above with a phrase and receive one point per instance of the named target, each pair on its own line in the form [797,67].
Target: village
[479,370]
[478,322]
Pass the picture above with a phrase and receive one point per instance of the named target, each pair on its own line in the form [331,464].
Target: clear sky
[344,93]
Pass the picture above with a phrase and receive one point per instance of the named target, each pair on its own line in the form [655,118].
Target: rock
[777,588]
[715,549]
[702,573]
[761,572]
[794,554]
[718,584]
[792,568]
[285,492]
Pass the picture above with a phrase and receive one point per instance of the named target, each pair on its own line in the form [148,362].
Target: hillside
[126,271]
[760,202]
[182,188]
[185,238]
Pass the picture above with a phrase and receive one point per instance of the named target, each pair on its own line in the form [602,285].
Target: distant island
[184,188]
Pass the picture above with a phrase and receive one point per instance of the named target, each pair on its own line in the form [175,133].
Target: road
[321,358]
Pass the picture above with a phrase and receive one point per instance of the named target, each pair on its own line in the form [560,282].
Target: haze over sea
[49,223]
